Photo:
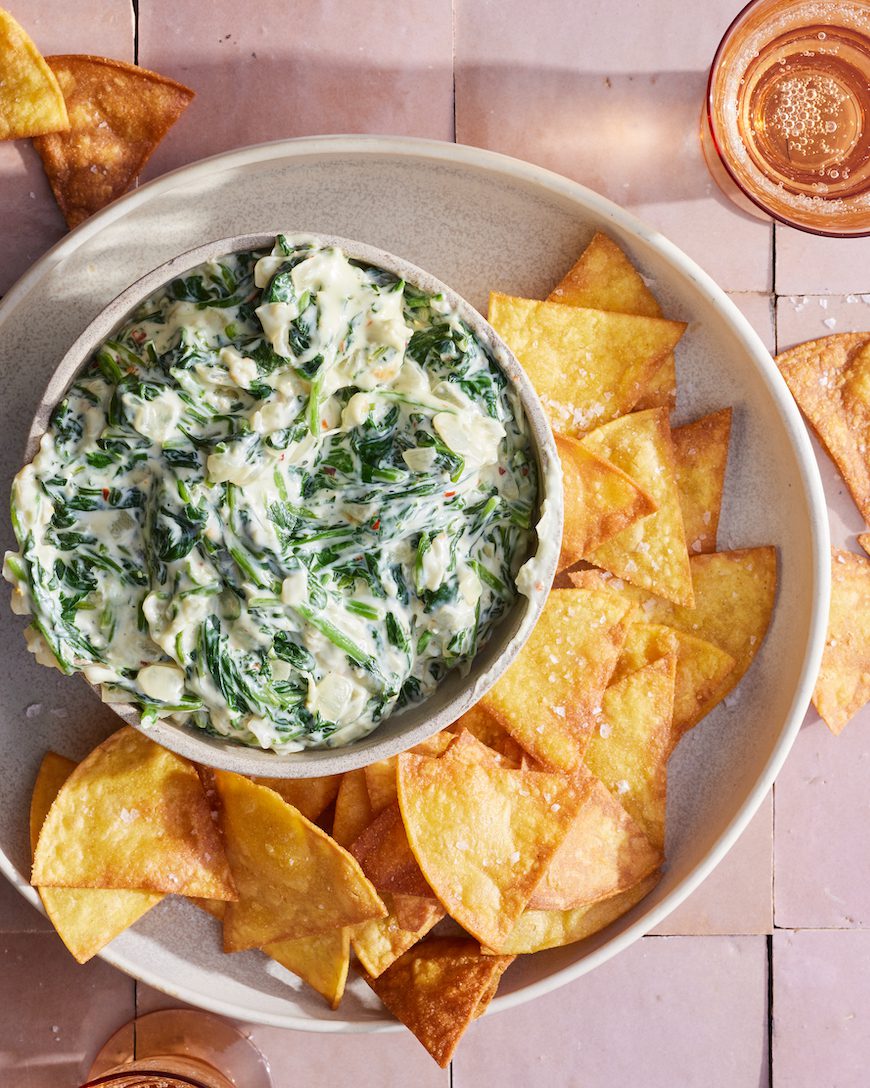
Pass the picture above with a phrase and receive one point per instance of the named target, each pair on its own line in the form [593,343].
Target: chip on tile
[436,988]
[133,815]
[830,380]
[605,279]
[31,102]
[843,684]
[587,366]
[86,919]
[600,500]
[118,115]
[701,454]
[650,553]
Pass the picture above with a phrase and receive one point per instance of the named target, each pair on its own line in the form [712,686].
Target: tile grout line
[770,1010]
[453,72]
[135,31]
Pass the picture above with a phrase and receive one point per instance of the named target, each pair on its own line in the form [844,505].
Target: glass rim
[121,1074]
[711,129]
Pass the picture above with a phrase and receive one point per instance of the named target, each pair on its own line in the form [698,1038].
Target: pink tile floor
[760,978]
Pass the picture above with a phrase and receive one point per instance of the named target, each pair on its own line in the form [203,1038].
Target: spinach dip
[284,500]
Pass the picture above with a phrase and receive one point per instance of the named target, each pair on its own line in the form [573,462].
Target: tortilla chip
[353,810]
[381,776]
[702,668]
[830,380]
[843,684]
[540,929]
[118,115]
[133,815]
[379,943]
[435,989]
[86,919]
[734,598]
[605,279]
[312,796]
[412,912]
[630,751]
[386,857]
[546,699]
[31,102]
[701,455]
[587,366]
[483,725]
[604,852]
[293,879]
[215,907]
[600,500]
[864,541]
[321,961]
[483,835]
[651,553]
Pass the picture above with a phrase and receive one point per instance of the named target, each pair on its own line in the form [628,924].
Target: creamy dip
[285,499]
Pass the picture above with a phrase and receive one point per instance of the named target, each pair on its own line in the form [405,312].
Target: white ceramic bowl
[458,691]
[477,221]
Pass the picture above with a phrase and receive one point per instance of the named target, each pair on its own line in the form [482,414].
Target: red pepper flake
[376,524]
[501,471]
[525,470]
[329,470]
[449,494]
[138,335]
[106,494]
[324,425]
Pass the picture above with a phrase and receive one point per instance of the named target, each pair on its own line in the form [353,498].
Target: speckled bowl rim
[510,633]
[644,917]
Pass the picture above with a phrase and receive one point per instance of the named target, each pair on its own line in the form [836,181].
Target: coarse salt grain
[622,786]
[605,730]
[560,710]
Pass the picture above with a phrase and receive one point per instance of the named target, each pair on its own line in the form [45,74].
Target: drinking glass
[785,123]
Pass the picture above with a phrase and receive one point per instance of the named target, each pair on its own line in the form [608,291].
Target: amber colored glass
[785,123]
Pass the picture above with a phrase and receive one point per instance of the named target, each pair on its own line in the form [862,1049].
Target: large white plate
[478,221]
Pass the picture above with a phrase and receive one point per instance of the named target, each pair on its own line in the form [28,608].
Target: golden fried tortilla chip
[293,879]
[353,809]
[605,279]
[650,553]
[118,115]
[321,961]
[381,776]
[702,668]
[133,815]
[486,728]
[587,366]
[31,102]
[379,943]
[630,751]
[540,929]
[546,698]
[604,852]
[482,835]
[386,857]
[312,796]
[217,908]
[830,380]
[843,684]
[86,919]
[436,988]
[734,598]
[600,500]
[701,454]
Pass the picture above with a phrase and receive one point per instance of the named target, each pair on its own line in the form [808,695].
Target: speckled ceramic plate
[477,221]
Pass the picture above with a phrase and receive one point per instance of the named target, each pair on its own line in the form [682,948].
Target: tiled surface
[821,1007]
[607,92]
